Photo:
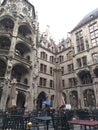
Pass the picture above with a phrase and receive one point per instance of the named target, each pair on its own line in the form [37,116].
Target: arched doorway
[64,96]
[40,99]
[74,99]
[85,77]
[20,100]
[89,98]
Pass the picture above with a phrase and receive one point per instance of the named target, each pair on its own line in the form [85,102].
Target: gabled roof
[89,17]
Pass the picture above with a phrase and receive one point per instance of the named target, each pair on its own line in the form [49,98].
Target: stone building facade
[78,62]
[85,40]
[33,68]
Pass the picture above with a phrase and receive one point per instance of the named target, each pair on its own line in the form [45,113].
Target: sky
[61,15]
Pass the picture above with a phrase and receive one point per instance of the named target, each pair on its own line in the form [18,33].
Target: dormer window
[91,16]
[52,48]
[60,48]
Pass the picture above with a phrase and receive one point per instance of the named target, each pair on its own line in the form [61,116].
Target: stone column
[35,73]
[14,39]
[80,97]
[95,87]
[29,92]
[16,25]
[68,97]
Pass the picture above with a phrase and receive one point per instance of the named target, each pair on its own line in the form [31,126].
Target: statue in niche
[35,73]
[13,94]
[28,100]
[35,68]
[4,94]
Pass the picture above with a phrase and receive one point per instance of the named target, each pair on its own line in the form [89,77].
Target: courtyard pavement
[76,127]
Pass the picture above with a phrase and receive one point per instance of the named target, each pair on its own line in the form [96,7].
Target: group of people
[46,110]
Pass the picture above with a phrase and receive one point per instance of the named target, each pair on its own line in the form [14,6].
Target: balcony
[24,38]
[22,60]
[21,86]
[4,52]
[5,30]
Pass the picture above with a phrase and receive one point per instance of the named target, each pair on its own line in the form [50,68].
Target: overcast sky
[62,15]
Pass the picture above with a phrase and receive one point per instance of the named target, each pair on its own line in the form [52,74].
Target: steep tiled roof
[92,15]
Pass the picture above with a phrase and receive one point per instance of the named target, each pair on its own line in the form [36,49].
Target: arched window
[28,58]
[26,81]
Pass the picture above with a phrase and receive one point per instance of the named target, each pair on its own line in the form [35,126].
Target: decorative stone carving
[28,100]
[9,66]
[35,66]
[36,71]
[13,94]
[1,10]
[4,94]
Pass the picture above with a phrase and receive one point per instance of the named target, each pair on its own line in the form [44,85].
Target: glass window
[52,59]
[60,48]
[61,58]
[95,26]
[62,70]
[63,83]
[43,68]
[72,82]
[91,28]
[79,62]
[69,55]
[70,68]
[43,55]
[94,34]
[51,84]
[80,41]
[95,57]
[93,42]
[51,70]
[26,81]
[42,81]
[84,60]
